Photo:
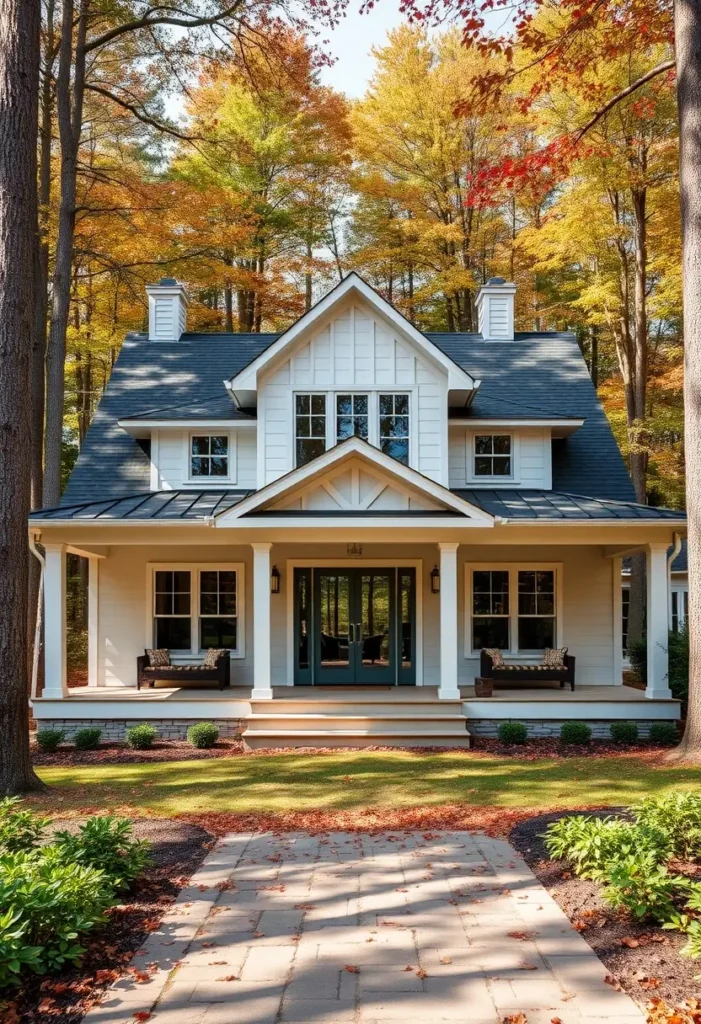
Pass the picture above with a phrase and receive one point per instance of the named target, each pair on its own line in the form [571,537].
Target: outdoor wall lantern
[435,580]
[275,580]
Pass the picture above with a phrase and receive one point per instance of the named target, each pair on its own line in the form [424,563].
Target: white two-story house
[353,510]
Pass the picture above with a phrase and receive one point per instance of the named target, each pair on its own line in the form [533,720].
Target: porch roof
[198,505]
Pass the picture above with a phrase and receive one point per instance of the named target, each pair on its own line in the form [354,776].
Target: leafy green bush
[679,665]
[644,888]
[575,732]
[678,816]
[15,953]
[88,738]
[49,739]
[53,903]
[623,732]
[203,735]
[105,843]
[512,732]
[637,654]
[664,734]
[141,737]
[593,845]
[19,830]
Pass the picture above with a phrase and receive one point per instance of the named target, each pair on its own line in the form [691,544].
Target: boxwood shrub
[664,733]
[88,738]
[624,732]
[203,735]
[512,732]
[141,737]
[575,732]
[49,739]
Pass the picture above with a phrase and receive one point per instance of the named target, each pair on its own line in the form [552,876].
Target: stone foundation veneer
[543,727]
[168,728]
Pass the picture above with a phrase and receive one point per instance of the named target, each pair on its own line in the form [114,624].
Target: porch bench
[147,674]
[532,674]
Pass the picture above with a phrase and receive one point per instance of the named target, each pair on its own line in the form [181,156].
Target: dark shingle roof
[535,375]
[551,505]
[214,406]
[175,505]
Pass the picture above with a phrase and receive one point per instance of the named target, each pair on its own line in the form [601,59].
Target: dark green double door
[355,626]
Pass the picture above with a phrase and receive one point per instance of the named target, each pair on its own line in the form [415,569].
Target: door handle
[359,632]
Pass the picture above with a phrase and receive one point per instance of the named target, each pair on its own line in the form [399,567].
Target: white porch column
[55,684]
[448,689]
[657,622]
[93,619]
[262,682]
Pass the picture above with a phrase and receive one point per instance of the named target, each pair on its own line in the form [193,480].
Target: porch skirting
[168,728]
[546,727]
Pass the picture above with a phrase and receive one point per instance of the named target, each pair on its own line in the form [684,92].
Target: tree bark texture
[687,26]
[19,89]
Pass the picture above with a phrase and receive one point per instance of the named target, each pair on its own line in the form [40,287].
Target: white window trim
[514,477]
[373,391]
[194,568]
[205,482]
[513,569]
[680,589]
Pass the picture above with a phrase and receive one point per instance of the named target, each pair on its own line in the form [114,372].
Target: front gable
[354,480]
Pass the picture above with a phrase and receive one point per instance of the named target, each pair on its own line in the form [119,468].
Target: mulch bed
[179,750]
[645,961]
[177,850]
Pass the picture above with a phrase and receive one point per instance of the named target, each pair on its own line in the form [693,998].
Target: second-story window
[209,455]
[310,428]
[394,427]
[351,417]
[492,455]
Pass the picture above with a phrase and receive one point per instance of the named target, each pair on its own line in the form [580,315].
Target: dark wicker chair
[184,674]
[532,674]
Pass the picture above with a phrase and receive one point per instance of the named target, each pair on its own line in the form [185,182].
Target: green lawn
[347,781]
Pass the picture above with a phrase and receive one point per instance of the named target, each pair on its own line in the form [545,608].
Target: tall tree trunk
[636,430]
[687,25]
[229,307]
[69,105]
[19,103]
[594,356]
[308,279]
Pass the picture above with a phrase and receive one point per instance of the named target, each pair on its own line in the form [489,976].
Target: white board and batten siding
[170,458]
[353,351]
[532,457]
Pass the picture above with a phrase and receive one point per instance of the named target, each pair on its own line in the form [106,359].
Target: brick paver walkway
[342,928]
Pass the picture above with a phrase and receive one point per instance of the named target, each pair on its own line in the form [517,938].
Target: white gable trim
[247,379]
[353,447]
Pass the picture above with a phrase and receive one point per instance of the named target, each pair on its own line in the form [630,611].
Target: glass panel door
[374,647]
[334,633]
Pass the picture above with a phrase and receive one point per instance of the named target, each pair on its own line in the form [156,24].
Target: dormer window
[310,428]
[493,455]
[209,455]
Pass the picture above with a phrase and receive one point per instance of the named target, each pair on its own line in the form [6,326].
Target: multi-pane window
[209,455]
[310,428]
[490,609]
[536,609]
[394,426]
[680,609]
[492,455]
[172,610]
[351,417]
[218,613]
[625,609]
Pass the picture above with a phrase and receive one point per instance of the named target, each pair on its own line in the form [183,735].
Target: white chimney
[495,309]
[167,310]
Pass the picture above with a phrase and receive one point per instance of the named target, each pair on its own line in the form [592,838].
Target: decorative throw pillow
[212,657]
[158,658]
[554,657]
[496,656]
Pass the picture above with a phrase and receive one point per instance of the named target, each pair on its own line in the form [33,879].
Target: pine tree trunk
[19,94]
[687,25]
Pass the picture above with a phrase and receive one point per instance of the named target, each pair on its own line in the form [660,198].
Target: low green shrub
[637,654]
[593,845]
[88,738]
[512,732]
[575,732]
[623,732]
[644,888]
[664,734]
[16,954]
[105,843]
[141,737]
[20,831]
[203,735]
[678,675]
[678,816]
[49,739]
[53,903]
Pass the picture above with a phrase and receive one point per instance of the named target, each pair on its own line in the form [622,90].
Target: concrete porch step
[357,705]
[340,721]
[291,738]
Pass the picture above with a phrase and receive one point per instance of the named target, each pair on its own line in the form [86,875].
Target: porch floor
[367,695]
